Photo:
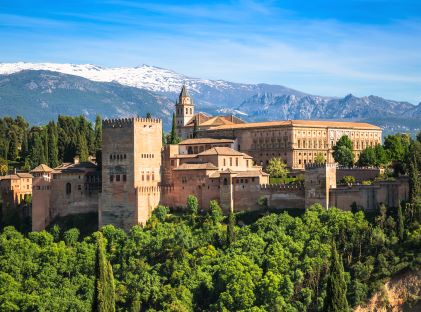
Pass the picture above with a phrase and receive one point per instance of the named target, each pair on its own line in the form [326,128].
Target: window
[68,188]
[225,181]
[124,178]
[111,178]
[117,178]
[230,161]
[224,162]
[236,161]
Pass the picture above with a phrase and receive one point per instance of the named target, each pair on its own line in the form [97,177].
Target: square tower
[131,171]
[184,110]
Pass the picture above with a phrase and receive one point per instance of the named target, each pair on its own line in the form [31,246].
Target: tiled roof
[300,123]
[42,168]
[240,174]
[205,141]
[71,167]
[24,175]
[10,177]
[204,166]
[204,120]
[226,151]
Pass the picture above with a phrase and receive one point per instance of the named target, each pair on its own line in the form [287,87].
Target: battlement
[318,166]
[124,122]
[290,186]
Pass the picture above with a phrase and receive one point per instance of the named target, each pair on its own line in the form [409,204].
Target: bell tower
[184,110]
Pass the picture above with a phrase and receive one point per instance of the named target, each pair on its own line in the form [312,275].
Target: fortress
[221,158]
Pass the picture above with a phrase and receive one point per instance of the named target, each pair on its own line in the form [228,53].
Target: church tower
[184,110]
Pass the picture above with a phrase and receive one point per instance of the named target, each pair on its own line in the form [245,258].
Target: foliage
[277,168]
[320,159]
[104,298]
[335,300]
[276,263]
[173,137]
[343,151]
[348,180]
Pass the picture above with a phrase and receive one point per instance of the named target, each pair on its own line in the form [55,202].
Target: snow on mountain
[144,77]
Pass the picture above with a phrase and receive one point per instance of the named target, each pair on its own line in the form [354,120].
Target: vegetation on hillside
[208,263]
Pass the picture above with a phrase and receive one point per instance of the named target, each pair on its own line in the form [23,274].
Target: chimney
[76,160]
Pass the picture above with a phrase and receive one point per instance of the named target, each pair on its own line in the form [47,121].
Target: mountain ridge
[135,91]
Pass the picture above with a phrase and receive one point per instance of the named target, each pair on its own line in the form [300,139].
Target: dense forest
[206,262]
[26,147]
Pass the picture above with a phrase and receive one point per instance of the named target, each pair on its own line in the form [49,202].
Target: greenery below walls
[208,263]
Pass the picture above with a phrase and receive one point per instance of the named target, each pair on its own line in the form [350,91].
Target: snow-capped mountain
[41,91]
[144,77]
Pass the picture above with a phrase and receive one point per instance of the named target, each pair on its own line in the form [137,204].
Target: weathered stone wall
[369,197]
[318,180]
[360,174]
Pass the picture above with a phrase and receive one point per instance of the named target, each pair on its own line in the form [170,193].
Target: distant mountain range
[40,92]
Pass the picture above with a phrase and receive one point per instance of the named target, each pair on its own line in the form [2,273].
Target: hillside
[116,92]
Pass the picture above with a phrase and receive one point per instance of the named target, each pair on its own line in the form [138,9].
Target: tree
[4,167]
[343,151]
[52,145]
[344,156]
[277,168]
[401,223]
[320,159]
[71,236]
[368,157]
[216,212]
[36,155]
[148,115]
[335,300]
[82,148]
[381,156]
[161,212]
[13,151]
[397,146]
[231,228]
[104,297]
[98,133]
[193,207]
[173,135]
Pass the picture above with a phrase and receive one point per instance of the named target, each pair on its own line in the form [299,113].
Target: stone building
[297,142]
[221,158]
[131,170]
[15,189]
[71,188]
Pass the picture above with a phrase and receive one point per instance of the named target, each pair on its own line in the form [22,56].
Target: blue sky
[320,47]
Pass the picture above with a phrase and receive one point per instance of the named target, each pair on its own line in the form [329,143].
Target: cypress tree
[195,129]
[335,300]
[231,228]
[82,148]
[13,151]
[148,115]
[37,151]
[401,224]
[52,145]
[173,130]
[98,133]
[104,296]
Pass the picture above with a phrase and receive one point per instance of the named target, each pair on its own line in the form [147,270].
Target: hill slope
[54,89]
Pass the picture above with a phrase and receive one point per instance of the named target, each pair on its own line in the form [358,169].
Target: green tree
[82,149]
[368,157]
[194,128]
[161,212]
[193,207]
[52,145]
[148,115]
[174,139]
[335,300]
[343,151]
[13,151]
[320,159]
[36,154]
[348,179]
[401,223]
[71,236]
[104,297]
[381,156]
[215,212]
[98,133]
[231,228]
[277,168]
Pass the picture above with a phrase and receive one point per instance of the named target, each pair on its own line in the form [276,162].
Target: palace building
[297,142]
[221,158]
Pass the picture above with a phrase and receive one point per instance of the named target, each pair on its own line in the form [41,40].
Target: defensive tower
[131,160]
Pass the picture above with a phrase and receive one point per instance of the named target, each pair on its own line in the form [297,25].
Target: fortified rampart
[369,197]
[360,174]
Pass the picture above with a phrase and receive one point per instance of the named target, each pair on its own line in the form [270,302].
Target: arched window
[225,181]
[68,188]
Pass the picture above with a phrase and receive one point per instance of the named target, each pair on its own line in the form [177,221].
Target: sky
[320,47]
